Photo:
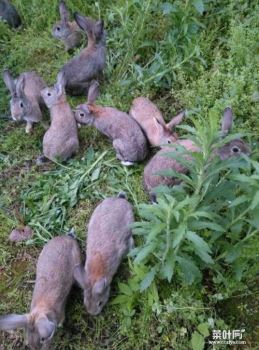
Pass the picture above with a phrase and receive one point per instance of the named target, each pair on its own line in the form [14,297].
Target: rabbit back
[61,139]
[54,275]
[109,235]
[82,69]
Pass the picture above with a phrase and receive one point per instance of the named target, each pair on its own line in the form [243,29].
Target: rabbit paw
[127,163]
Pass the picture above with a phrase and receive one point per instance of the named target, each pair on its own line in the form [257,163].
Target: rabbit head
[19,104]
[164,131]
[96,293]
[56,94]
[39,329]
[94,29]
[83,114]
[234,147]
[62,29]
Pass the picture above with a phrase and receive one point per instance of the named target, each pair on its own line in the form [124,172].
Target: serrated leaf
[198,241]
[199,225]
[179,234]
[144,252]
[125,289]
[255,201]
[197,341]
[167,269]
[238,200]
[189,269]
[149,278]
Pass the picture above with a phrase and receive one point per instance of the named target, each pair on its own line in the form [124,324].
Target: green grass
[181,59]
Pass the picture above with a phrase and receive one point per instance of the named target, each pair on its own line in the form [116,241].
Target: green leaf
[167,269]
[149,278]
[125,289]
[197,341]
[203,328]
[95,174]
[199,225]
[255,201]
[144,252]
[198,4]
[238,200]
[189,269]
[179,235]
[198,241]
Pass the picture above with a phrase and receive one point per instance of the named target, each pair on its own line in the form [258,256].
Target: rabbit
[152,122]
[89,64]
[60,141]
[54,279]
[128,139]
[160,162]
[26,101]
[9,14]
[68,32]
[109,239]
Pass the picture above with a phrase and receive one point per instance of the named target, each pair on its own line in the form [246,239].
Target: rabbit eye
[82,114]
[100,303]
[58,28]
[235,149]
[21,104]
[168,141]
[49,94]
[42,340]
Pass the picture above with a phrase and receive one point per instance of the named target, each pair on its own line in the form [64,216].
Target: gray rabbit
[160,162]
[152,122]
[89,64]
[66,31]
[26,101]
[54,279]
[9,14]
[60,141]
[109,239]
[128,139]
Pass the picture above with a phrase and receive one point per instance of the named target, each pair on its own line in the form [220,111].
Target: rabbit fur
[66,31]
[54,279]
[60,141]
[90,63]
[152,122]
[26,101]
[128,139]
[109,239]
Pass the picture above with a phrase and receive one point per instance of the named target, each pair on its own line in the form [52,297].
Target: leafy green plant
[206,222]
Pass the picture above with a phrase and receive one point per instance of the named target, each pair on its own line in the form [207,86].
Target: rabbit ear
[227,121]
[98,28]
[60,85]
[79,275]
[84,23]
[100,286]
[46,328]
[20,85]
[64,14]
[158,125]
[176,120]
[13,321]
[9,82]
[93,92]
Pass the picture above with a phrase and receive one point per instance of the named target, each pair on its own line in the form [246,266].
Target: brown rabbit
[109,239]
[127,137]
[152,122]
[89,64]
[160,162]
[26,101]
[54,279]
[60,141]
[68,32]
